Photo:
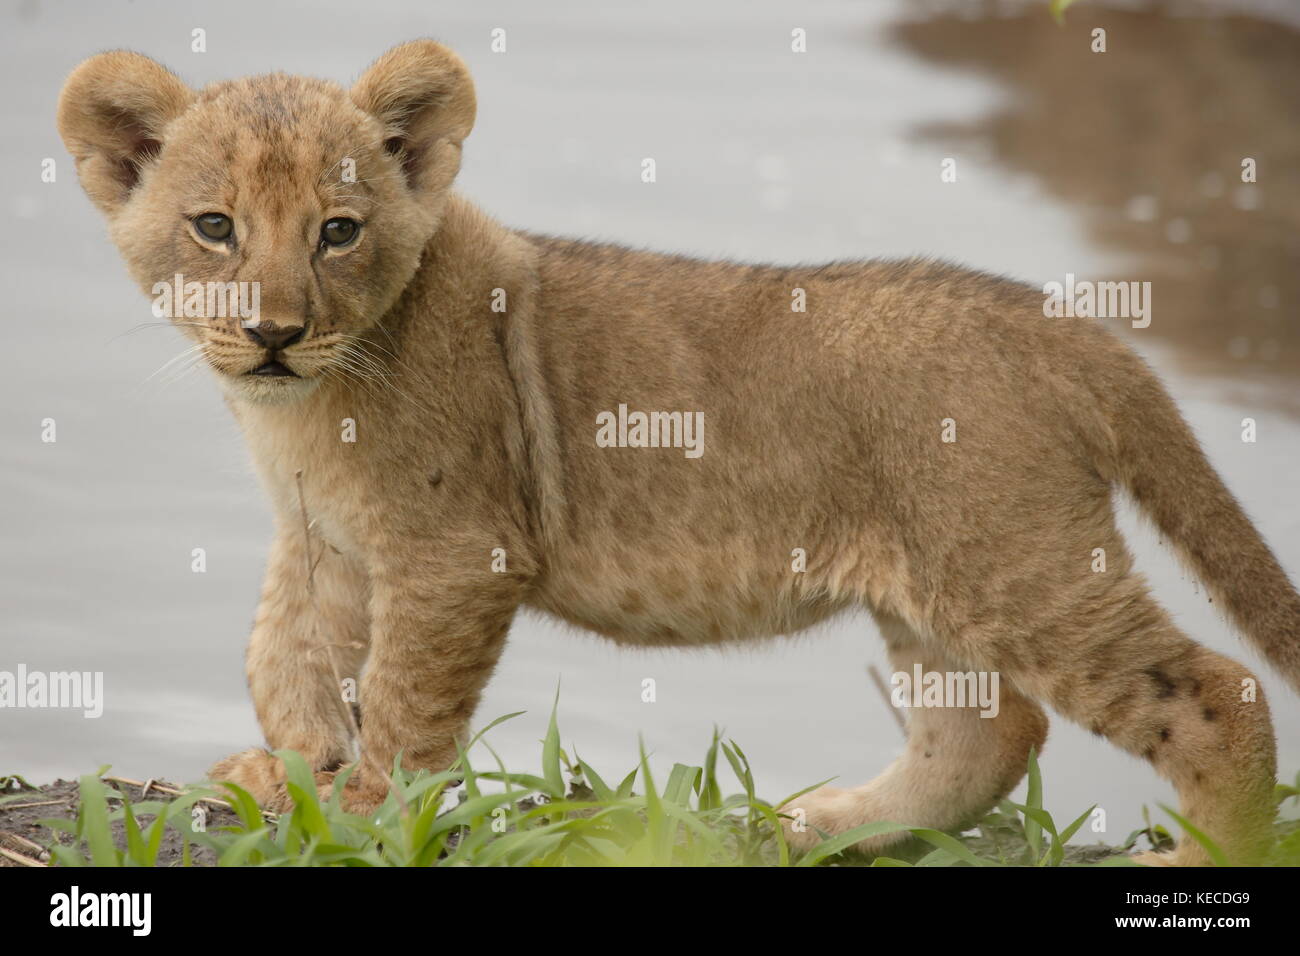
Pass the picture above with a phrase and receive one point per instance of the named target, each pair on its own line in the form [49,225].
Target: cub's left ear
[112,113]
[423,94]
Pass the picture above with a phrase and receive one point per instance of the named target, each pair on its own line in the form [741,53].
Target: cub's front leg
[438,629]
[299,700]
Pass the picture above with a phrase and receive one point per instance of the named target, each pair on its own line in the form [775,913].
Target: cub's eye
[339,232]
[214,226]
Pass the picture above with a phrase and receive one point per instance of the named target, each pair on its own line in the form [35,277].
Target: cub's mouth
[274,369]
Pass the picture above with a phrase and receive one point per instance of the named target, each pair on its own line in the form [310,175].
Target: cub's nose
[275,337]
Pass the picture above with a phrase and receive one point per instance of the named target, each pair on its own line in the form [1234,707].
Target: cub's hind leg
[955,767]
[1118,666]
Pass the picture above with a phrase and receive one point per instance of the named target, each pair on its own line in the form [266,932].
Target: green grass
[568,815]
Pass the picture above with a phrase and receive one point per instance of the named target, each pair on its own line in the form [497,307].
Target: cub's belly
[661,604]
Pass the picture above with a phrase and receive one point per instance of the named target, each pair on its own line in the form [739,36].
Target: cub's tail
[1161,464]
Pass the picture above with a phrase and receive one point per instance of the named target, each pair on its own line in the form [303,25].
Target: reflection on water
[1148,139]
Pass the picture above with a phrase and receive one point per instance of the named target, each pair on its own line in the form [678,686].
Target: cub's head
[276,219]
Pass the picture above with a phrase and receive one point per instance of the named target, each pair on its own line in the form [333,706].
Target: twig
[884,692]
[268,815]
[363,757]
[20,859]
[22,841]
[24,806]
[354,645]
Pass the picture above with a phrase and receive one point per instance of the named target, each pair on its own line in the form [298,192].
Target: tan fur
[476,431]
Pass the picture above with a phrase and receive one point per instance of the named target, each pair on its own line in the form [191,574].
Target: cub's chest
[311,470]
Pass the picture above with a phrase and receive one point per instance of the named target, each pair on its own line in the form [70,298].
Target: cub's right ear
[112,114]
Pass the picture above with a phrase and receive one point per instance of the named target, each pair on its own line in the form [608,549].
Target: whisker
[362,342]
[188,352]
[348,376]
[155,325]
[384,377]
[181,371]
[365,366]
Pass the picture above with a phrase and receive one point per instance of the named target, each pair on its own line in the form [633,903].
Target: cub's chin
[267,390]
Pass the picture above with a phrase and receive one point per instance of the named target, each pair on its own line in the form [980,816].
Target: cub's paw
[1186,853]
[1155,858]
[256,771]
[830,809]
[363,793]
[833,810]
[263,775]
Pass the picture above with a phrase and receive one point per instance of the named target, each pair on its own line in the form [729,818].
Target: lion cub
[664,451]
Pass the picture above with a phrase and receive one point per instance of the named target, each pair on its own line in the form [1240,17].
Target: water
[761,154]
